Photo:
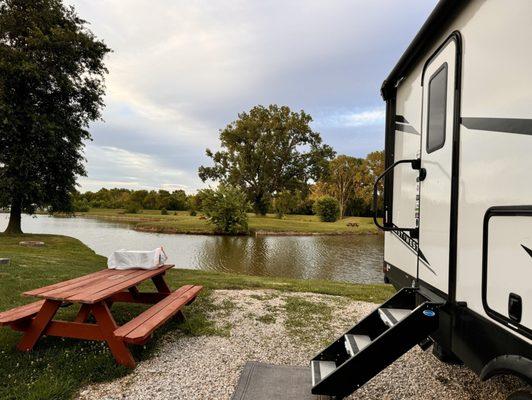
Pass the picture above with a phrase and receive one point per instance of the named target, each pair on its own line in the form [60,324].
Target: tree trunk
[260,206]
[14,226]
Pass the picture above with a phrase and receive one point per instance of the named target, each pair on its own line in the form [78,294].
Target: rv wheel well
[508,365]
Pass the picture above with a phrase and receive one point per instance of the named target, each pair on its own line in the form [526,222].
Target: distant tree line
[348,180]
[132,200]
[270,161]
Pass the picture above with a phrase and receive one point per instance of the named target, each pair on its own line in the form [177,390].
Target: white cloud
[181,70]
[111,167]
[369,117]
[364,118]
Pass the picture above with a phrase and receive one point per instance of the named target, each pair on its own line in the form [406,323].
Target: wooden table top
[97,286]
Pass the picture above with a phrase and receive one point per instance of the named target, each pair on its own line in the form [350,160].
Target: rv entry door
[436,159]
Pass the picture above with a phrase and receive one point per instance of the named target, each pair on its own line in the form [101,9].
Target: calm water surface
[341,258]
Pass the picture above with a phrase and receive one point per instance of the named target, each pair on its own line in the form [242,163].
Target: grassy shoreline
[58,368]
[183,223]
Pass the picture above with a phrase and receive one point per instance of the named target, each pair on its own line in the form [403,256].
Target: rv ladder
[406,319]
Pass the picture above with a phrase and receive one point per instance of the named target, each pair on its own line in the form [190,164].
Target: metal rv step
[407,319]
[355,343]
[320,369]
[391,316]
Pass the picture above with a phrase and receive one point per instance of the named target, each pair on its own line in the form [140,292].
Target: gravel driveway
[284,328]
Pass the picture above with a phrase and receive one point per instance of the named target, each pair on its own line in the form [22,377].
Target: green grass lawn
[182,222]
[57,367]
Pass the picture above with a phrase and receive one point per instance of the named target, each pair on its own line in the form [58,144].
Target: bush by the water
[81,205]
[226,207]
[132,207]
[327,208]
[164,211]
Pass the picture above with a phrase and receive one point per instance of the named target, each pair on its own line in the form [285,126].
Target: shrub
[132,207]
[81,205]
[193,213]
[226,207]
[327,208]
[304,207]
[164,211]
[283,203]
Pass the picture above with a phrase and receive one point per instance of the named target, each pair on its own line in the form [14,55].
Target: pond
[340,258]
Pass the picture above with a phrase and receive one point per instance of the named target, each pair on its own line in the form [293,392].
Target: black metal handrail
[416,164]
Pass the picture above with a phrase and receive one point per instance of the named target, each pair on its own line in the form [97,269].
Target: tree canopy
[124,198]
[268,150]
[51,87]
[350,180]
[345,178]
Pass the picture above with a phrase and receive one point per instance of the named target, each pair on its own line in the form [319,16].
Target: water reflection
[344,258]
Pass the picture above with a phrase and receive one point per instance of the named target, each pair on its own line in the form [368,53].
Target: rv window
[437,109]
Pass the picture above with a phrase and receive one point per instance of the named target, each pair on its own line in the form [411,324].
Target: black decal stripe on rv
[529,251]
[400,118]
[510,125]
[406,128]
[422,256]
[413,246]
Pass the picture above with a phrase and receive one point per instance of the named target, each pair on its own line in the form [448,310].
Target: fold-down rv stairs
[407,319]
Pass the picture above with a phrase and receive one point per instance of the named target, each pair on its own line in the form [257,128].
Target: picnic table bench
[95,294]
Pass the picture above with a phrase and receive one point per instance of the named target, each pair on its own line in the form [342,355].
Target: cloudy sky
[182,69]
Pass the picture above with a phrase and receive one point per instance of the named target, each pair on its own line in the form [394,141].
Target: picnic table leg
[180,317]
[161,285]
[107,325]
[83,313]
[38,325]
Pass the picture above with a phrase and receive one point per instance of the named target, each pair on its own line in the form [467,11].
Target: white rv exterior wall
[405,188]
[495,167]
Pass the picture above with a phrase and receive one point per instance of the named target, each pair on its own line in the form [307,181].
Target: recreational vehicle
[457,202]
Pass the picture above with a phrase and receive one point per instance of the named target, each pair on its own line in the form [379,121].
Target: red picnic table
[95,293]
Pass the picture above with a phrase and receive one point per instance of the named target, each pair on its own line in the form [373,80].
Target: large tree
[350,180]
[374,167]
[51,87]
[345,178]
[268,150]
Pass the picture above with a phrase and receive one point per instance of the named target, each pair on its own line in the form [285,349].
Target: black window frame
[445,67]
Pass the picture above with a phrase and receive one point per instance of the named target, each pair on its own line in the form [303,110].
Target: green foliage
[327,208]
[164,211]
[151,200]
[350,180]
[132,207]
[193,213]
[194,203]
[81,205]
[345,178]
[226,207]
[51,88]
[268,150]
[284,202]
[304,207]
[374,167]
